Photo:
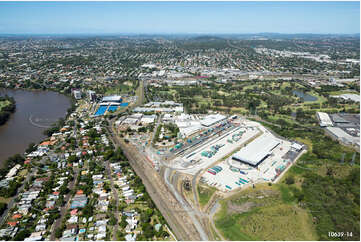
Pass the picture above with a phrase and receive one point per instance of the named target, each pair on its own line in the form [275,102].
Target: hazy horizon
[112,18]
[170,34]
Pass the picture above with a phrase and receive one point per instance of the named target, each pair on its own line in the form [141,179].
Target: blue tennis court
[101,110]
[112,108]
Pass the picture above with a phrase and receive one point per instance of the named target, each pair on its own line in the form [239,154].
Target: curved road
[185,206]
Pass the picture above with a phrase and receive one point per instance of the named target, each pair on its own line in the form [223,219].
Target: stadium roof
[255,152]
[112,99]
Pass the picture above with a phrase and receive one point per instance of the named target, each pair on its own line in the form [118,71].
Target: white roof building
[344,137]
[257,151]
[324,119]
[147,119]
[297,146]
[77,94]
[189,128]
[13,171]
[212,119]
[130,121]
[115,98]
[349,96]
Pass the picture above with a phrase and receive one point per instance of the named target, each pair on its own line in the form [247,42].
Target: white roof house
[13,171]
[37,238]
[130,237]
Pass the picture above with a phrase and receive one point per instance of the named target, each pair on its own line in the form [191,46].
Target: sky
[179,17]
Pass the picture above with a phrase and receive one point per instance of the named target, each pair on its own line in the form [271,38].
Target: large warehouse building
[325,120]
[211,119]
[257,151]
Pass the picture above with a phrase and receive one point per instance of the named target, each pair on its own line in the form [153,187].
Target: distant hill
[208,38]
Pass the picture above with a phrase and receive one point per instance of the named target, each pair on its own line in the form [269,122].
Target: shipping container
[212,172]
[243,180]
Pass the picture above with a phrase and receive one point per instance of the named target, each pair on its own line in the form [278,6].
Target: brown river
[35,112]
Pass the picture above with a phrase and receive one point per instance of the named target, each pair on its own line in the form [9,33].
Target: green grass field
[264,213]
[205,193]
[120,88]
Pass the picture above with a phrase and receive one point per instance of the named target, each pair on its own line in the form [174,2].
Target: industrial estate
[183,137]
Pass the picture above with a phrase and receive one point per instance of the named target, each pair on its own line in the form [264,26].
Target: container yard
[233,174]
[231,154]
[214,150]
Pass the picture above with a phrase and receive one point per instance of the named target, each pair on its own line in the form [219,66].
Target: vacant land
[125,87]
[265,213]
[205,193]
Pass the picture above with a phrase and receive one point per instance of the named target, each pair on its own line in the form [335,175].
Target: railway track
[165,201]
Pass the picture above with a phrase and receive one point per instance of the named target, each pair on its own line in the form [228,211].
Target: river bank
[7,107]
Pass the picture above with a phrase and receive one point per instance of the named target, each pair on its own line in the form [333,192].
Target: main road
[66,206]
[116,197]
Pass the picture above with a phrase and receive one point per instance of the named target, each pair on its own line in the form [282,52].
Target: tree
[112,220]
[3,207]
[72,158]
[31,148]
[164,234]
[148,230]
[20,236]
[144,217]
[123,223]
[329,171]
[58,232]
[290,180]
[149,212]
